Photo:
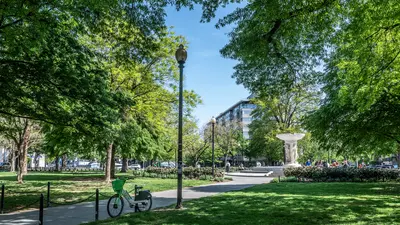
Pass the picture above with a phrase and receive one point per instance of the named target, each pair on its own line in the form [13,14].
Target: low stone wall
[276,170]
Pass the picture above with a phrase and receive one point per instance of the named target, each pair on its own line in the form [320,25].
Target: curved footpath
[85,212]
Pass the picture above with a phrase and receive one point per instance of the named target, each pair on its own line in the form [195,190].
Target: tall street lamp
[213,122]
[181,56]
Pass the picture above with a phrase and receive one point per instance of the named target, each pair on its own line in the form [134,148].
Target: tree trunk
[107,177]
[57,163]
[63,162]
[124,165]
[233,159]
[36,160]
[398,155]
[13,159]
[112,174]
[225,159]
[23,156]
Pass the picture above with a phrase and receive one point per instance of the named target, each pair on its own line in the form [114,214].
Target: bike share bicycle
[142,200]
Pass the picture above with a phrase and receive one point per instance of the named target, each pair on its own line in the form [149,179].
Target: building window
[247,111]
[237,112]
[248,106]
[247,119]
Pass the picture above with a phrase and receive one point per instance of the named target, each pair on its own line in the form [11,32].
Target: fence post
[2,199]
[136,205]
[97,205]
[48,194]
[41,210]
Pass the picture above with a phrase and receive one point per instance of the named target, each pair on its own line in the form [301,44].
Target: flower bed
[188,172]
[342,174]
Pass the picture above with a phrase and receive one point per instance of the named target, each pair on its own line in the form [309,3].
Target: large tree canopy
[47,73]
[275,114]
[349,49]
[101,74]
[48,68]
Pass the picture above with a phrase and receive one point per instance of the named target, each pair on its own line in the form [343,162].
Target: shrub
[188,172]
[228,178]
[237,168]
[284,179]
[218,179]
[343,174]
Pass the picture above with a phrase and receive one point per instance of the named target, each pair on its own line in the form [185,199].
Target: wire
[72,203]
[107,196]
[23,207]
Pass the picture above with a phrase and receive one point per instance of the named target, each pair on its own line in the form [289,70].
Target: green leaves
[273,51]
[281,45]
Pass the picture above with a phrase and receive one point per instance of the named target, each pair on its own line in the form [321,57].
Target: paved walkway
[84,212]
[238,174]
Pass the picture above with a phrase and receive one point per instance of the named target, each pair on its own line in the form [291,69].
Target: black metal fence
[42,200]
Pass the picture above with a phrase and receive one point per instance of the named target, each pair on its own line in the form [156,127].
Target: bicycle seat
[139,187]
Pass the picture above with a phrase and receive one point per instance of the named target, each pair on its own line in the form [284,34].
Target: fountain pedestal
[291,154]
[290,160]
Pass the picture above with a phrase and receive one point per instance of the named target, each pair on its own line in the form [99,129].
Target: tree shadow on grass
[285,204]
[220,188]
[52,176]
[329,189]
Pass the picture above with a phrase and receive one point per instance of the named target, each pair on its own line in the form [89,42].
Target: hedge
[188,172]
[351,174]
[68,169]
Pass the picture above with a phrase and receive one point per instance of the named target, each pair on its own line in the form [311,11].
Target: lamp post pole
[181,56]
[213,121]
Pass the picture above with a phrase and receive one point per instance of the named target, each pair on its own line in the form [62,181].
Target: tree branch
[10,24]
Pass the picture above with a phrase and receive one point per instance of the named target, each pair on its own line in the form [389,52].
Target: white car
[135,167]
[167,165]
[94,165]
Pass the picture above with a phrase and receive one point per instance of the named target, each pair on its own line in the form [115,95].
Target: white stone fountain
[290,159]
[291,154]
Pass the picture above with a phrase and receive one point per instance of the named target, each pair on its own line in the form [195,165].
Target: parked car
[383,166]
[5,166]
[94,165]
[387,166]
[135,167]
[167,165]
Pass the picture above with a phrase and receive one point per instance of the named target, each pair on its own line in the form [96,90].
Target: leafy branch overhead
[348,50]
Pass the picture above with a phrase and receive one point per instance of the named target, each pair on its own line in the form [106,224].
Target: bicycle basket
[118,185]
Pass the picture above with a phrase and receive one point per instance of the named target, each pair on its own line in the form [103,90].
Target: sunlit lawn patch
[73,187]
[284,203]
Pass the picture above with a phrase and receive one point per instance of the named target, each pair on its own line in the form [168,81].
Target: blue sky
[206,71]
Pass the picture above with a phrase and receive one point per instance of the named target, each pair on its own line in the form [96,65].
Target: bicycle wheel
[115,206]
[146,206]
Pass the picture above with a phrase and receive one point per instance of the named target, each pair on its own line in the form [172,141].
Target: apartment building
[239,112]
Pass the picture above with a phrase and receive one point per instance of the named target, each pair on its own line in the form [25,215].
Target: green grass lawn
[284,203]
[72,187]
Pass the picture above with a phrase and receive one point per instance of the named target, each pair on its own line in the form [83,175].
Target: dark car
[5,166]
[387,166]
